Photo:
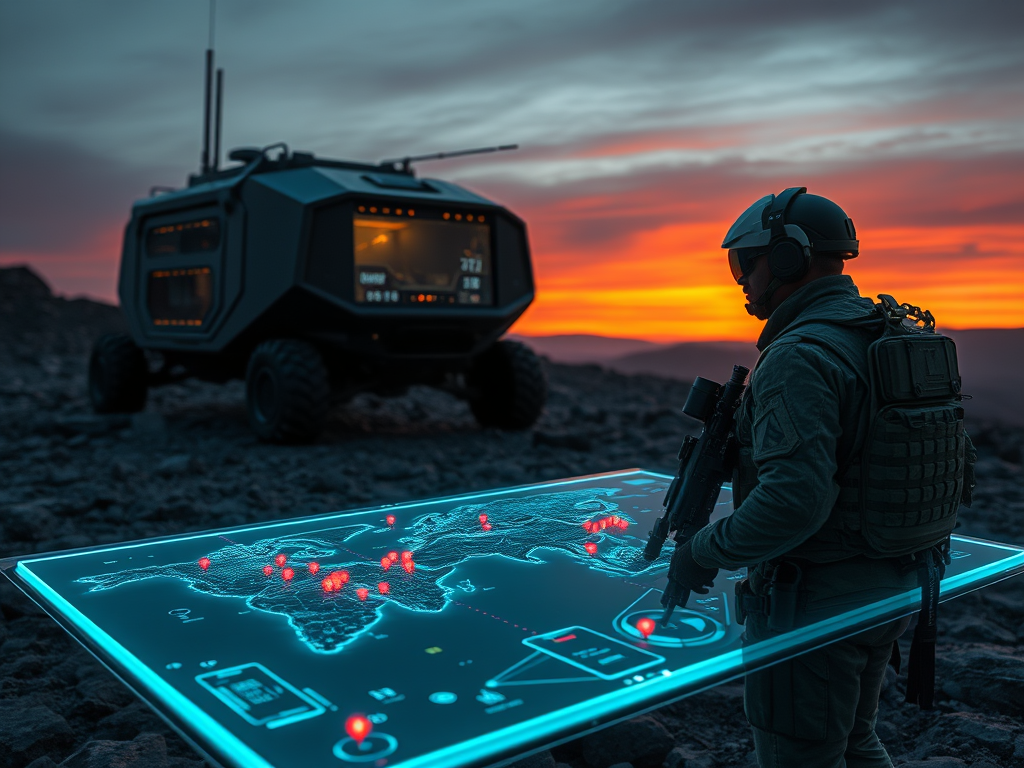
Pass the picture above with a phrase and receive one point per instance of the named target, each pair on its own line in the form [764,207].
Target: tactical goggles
[741,261]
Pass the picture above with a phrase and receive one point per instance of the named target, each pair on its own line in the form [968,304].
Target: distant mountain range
[991,362]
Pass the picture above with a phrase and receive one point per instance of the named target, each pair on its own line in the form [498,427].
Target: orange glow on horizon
[672,283]
[644,261]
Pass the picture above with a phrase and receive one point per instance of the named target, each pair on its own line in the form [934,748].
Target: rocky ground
[188,462]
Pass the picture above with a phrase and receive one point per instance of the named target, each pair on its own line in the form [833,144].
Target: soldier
[800,428]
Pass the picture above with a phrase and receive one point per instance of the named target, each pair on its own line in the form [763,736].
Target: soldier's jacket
[803,414]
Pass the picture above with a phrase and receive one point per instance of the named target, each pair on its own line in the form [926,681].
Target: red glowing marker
[645,627]
[393,557]
[623,524]
[604,523]
[409,566]
[338,578]
[358,728]
[406,556]
[483,519]
[362,592]
[586,526]
[281,560]
[385,563]
[384,587]
[328,585]
[314,568]
[204,563]
[288,574]
[591,547]
[486,526]
[268,570]
[615,519]
[390,519]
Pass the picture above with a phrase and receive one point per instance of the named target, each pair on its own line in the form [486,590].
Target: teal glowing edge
[515,740]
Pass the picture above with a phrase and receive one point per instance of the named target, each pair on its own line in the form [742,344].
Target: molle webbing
[915,468]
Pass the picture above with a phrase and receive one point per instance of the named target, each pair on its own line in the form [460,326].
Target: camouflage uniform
[799,421]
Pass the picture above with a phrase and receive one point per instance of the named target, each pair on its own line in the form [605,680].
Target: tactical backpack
[915,467]
[912,462]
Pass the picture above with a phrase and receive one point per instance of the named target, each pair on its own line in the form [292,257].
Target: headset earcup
[788,260]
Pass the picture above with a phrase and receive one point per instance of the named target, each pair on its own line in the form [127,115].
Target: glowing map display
[448,632]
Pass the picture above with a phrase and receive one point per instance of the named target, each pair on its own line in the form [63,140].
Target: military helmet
[790,228]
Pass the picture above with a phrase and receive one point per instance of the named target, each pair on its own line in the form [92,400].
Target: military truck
[316,279]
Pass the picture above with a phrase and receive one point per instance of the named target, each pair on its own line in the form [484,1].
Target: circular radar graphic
[375,746]
[685,629]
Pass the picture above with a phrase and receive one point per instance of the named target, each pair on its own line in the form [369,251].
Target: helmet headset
[764,229]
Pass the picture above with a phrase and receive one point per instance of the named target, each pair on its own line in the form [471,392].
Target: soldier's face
[755,283]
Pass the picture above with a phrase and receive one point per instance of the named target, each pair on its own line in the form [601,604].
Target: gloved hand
[686,573]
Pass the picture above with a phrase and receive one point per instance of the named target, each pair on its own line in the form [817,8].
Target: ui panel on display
[458,631]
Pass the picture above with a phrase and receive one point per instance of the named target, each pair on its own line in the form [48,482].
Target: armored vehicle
[316,279]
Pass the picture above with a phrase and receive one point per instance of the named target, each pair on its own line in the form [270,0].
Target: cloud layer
[646,128]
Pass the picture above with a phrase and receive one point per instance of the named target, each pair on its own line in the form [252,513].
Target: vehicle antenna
[205,166]
[406,161]
[217,120]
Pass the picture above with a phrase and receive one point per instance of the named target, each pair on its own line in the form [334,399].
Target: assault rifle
[704,464]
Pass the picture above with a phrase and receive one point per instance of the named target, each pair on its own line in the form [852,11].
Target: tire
[508,386]
[287,391]
[118,375]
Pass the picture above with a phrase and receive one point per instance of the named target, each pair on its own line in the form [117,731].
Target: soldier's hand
[686,573]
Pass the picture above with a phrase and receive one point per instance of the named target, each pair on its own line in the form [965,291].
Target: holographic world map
[331,591]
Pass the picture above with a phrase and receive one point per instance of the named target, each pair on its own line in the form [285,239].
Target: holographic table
[450,632]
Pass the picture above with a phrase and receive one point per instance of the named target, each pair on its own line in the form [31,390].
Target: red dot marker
[338,578]
[645,626]
[288,574]
[390,519]
[358,728]
[281,560]
[268,570]
[486,526]
[362,593]
[393,557]
[204,563]
[409,566]
[385,563]
[604,523]
[483,519]
[591,547]
[406,556]
[384,587]
[586,526]
[328,585]
[623,524]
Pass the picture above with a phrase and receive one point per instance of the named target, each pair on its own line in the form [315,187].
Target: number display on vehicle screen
[423,260]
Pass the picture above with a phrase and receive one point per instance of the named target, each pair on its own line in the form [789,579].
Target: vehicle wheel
[287,391]
[509,386]
[118,375]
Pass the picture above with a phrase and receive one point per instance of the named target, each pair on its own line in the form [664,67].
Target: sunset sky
[646,128]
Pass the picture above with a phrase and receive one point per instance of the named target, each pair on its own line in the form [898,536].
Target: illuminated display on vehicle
[183,237]
[180,297]
[404,256]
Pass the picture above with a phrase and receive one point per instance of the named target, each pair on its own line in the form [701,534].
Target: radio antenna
[205,165]
[406,162]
